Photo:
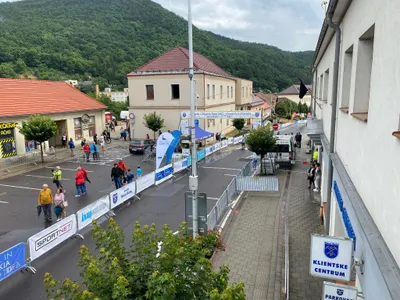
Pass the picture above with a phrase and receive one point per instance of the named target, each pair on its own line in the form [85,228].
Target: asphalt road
[163,205]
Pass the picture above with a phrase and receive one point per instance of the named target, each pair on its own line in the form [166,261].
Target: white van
[124,115]
[285,151]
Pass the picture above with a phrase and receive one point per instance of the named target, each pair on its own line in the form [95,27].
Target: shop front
[7,139]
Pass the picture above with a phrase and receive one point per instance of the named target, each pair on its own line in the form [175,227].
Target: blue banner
[163,174]
[12,260]
[170,151]
[201,154]
[189,161]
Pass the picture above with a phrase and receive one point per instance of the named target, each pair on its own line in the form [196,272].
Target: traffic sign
[131,115]
[275,126]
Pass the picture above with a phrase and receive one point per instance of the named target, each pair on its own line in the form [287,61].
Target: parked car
[139,146]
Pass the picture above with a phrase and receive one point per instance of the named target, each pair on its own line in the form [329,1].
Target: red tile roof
[28,97]
[177,59]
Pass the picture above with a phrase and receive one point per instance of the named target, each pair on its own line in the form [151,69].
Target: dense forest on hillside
[106,39]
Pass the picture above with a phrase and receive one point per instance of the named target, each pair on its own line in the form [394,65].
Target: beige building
[162,86]
[116,96]
[292,93]
[244,92]
[76,114]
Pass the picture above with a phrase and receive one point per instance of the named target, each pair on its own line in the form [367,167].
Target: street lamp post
[193,179]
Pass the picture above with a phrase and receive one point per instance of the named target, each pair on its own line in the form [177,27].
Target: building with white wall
[292,93]
[357,122]
[116,96]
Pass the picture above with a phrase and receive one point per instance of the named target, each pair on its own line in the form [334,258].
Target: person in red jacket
[121,164]
[79,182]
[86,150]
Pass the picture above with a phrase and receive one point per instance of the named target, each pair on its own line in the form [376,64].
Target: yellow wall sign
[7,140]
[8,125]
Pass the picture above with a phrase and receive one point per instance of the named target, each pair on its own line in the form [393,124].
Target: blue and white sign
[93,211]
[331,257]
[180,165]
[171,149]
[217,146]
[12,260]
[122,194]
[164,174]
[209,150]
[224,144]
[242,114]
[333,291]
[189,161]
[230,141]
[163,143]
[201,154]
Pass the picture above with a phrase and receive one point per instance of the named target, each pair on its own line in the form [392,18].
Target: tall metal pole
[193,179]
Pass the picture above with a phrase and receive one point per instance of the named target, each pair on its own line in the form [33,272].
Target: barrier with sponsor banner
[93,211]
[180,165]
[201,154]
[52,236]
[145,182]
[123,194]
[224,144]
[12,260]
[163,174]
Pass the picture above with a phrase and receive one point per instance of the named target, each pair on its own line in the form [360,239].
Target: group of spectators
[121,175]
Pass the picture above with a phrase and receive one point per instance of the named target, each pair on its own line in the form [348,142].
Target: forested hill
[106,39]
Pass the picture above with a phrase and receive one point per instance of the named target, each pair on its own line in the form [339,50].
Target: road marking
[45,177]
[232,175]
[20,187]
[212,198]
[64,169]
[218,168]
[3,202]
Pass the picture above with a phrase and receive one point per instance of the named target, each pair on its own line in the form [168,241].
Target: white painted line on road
[20,187]
[232,175]
[45,177]
[212,198]
[63,169]
[218,168]
[3,202]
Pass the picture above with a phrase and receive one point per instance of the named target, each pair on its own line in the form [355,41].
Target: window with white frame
[208,91]
[213,91]
[175,92]
[347,66]
[221,91]
[326,86]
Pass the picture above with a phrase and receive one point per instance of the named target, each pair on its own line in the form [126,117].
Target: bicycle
[107,139]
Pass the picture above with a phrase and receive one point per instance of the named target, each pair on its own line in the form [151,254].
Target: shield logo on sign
[331,249]
[184,115]
[340,292]
[115,198]
[257,114]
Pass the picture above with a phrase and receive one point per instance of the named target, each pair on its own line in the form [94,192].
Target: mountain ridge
[59,40]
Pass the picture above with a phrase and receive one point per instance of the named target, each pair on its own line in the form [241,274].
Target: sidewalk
[254,239]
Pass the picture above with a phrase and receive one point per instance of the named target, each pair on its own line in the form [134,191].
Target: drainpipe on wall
[314,99]
[338,35]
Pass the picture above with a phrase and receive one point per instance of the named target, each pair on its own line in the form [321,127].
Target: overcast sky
[292,25]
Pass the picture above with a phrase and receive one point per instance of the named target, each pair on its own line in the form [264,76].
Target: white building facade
[364,191]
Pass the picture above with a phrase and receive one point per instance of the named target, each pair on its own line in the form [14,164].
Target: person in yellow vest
[315,154]
[45,200]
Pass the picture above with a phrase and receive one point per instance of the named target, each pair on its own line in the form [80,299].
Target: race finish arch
[255,115]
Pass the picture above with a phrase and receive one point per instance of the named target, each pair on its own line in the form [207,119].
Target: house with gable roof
[162,85]
[292,93]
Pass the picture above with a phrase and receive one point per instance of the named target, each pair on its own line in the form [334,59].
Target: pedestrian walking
[102,140]
[57,177]
[139,172]
[79,182]
[311,176]
[124,134]
[45,200]
[116,174]
[95,139]
[71,146]
[95,150]
[121,132]
[318,176]
[315,155]
[64,140]
[129,176]
[86,150]
[59,204]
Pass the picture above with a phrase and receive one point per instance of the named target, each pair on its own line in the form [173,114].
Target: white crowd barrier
[51,237]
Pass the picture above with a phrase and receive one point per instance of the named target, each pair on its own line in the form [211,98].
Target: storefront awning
[315,130]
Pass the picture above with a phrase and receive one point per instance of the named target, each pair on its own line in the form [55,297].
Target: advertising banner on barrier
[209,150]
[236,140]
[230,141]
[180,165]
[93,211]
[12,260]
[189,161]
[122,194]
[224,144]
[163,142]
[164,174]
[145,182]
[201,154]
[217,146]
[52,236]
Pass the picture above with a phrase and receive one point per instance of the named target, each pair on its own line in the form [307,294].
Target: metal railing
[20,160]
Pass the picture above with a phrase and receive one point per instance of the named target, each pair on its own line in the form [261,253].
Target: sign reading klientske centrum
[331,257]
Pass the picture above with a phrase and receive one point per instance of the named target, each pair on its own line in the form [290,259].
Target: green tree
[261,141]
[178,269]
[39,129]
[7,70]
[281,108]
[238,124]
[114,107]
[153,122]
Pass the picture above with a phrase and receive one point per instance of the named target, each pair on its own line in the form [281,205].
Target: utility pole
[193,179]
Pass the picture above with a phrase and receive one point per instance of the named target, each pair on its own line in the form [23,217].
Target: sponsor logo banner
[164,174]
[93,211]
[223,115]
[122,194]
[163,142]
[145,182]
[52,236]
[217,146]
[224,144]
[201,154]
[12,260]
[180,165]
[230,141]
[209,150]
[171,149]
